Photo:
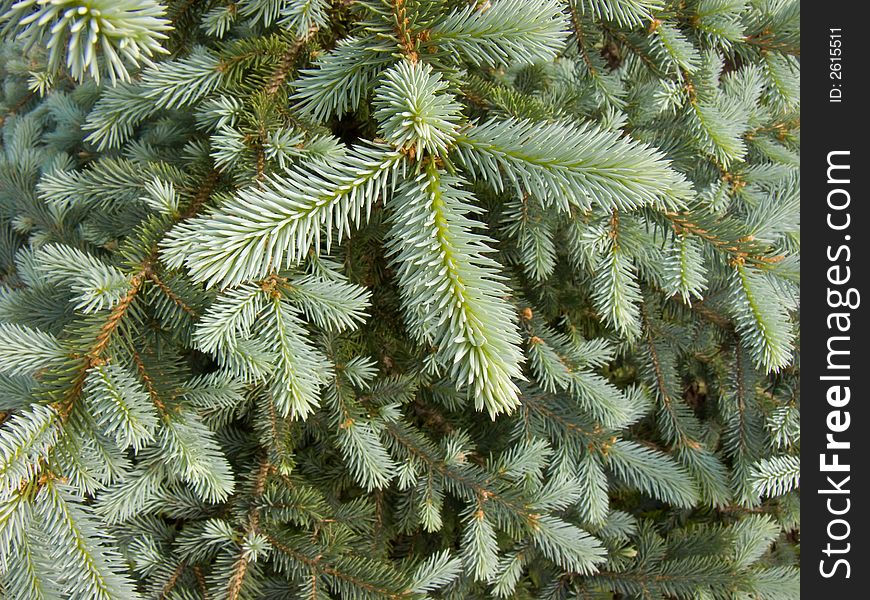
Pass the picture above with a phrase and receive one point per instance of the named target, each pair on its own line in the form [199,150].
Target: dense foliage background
[399,299]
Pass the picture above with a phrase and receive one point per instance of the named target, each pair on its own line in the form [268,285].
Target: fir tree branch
[240,568]
[173,580]
[683,437]
[580,38]
[464,316]
[167,291]
[94,356]
[316,566]
[279,76]
[278,224]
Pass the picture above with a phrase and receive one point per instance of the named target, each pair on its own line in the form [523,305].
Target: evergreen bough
[386,299]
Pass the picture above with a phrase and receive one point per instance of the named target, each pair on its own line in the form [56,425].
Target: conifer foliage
[399,299]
